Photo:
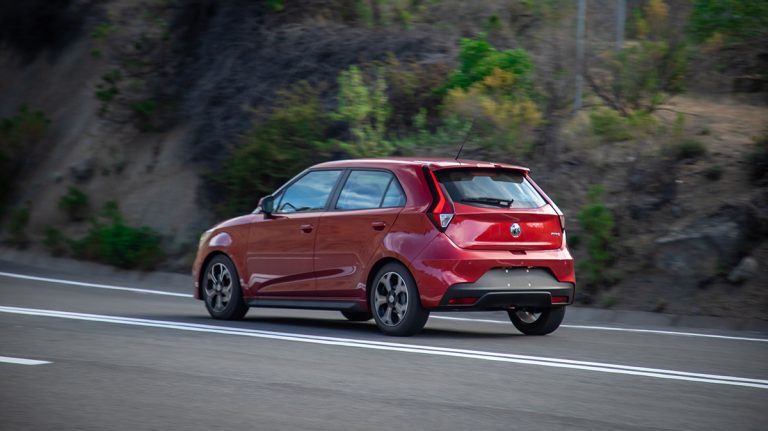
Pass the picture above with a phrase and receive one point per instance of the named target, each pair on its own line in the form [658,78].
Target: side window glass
[364,190]
[394,196]
[309,193]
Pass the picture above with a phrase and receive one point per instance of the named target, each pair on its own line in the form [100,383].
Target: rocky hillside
[185,112]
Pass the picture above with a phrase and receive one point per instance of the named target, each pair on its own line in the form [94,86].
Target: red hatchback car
[393,239]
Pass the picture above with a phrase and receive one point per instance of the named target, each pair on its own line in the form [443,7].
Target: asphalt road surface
[110,355]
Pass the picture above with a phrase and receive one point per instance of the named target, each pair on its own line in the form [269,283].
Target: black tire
[526,321]
[394,289]
[357,316]
[221,290]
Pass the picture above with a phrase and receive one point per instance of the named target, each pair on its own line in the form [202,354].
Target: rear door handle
[378,225]
[307,228]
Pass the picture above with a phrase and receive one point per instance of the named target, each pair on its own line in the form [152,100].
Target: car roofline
[431,162]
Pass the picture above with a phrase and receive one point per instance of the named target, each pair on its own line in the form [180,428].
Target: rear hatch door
[499,209]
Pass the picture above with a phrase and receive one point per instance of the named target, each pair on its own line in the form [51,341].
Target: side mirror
[267,205]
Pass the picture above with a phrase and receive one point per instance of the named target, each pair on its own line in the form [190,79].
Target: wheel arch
[375,269]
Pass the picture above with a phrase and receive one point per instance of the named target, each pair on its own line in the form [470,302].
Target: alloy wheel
[527,316]
[218,287]
[391,299]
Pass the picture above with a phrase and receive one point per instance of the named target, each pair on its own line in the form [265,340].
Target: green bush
[757,159]
[111,241]
[713,173]
[411,88]
[609,125]
[17,227]
[478,59]
[17,134]
[55,241]
[106,90]
[734,19]
[145,112]
[75,204]
[689,149]
[493,90]
[275,5]
[641,76]
[597,221]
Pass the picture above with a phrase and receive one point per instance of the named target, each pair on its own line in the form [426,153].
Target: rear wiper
[501,203]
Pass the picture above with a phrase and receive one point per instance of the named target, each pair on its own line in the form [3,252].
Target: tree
[365,108]
[494,89]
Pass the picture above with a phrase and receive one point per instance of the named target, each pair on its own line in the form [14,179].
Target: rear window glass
[489,188]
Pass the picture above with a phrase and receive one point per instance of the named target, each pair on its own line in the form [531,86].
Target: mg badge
[515,230]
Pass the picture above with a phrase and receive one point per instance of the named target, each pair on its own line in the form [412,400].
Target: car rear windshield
[489,188]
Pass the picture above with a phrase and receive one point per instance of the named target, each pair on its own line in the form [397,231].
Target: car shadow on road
[344,328]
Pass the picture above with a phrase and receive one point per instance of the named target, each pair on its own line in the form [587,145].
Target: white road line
[612,328]
[464,319]
[100,286]
[21,361]
[400,347]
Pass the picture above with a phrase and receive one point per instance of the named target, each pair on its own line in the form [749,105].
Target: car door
[350,232]
[280,248]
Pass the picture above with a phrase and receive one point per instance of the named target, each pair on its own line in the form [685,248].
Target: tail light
[562,221]
[441,211]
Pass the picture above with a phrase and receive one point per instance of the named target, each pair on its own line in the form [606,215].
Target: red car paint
[331,255]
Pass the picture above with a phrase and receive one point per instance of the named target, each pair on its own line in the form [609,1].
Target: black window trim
[335,196]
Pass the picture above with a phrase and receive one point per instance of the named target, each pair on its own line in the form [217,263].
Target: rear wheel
[537,321]
[221,290]
[357,316]
[395,301]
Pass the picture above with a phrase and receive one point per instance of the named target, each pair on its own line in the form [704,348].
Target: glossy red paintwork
[330,255]
[488,228]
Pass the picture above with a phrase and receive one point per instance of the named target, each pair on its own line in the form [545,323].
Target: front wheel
[221,290]
[395,301]
[537,321]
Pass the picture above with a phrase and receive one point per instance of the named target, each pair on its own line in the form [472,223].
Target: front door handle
[306,228]
[378,225]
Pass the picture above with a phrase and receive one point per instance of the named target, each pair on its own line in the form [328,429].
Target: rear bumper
[444,271]
[505,288]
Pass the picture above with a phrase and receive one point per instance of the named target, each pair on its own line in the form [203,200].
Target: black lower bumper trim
[504,288]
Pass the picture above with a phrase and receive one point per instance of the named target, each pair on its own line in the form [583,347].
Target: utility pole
[621,17]
[579,53]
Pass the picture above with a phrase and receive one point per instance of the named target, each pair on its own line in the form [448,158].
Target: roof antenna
[466,137]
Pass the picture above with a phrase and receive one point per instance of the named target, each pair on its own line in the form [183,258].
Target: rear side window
[489,188]
[370,189]
[309,193]
[394,196]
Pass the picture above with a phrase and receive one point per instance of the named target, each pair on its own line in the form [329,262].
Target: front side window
[490,188]
[370,189]
[309,193]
